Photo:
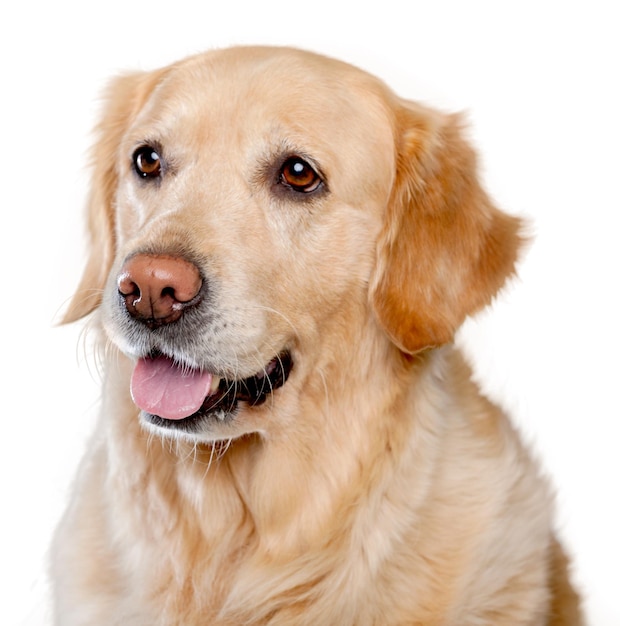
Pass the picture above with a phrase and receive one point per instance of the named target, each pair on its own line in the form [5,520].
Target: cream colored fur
[377,486]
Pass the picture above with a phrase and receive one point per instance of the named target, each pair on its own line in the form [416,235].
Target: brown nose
[157,288]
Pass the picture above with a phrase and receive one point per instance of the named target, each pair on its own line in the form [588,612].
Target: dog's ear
[445,250]
[122,100]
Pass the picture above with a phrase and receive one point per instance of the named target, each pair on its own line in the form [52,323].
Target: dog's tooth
[215,383]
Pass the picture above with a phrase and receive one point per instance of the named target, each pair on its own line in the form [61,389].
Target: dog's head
[256,213]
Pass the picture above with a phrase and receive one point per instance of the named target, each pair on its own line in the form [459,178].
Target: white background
[540,81]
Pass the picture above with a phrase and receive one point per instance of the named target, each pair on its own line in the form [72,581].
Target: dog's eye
[299,175]
[147,162]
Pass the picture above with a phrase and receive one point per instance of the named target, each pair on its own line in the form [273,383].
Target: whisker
[208,467]
[222,450]
[87,295]
[279,314]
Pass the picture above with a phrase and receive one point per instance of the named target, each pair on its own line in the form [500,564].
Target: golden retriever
[282,250]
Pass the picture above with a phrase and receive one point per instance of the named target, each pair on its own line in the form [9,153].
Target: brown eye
[299,175]
[147,162]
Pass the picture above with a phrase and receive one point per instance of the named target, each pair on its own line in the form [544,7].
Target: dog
[282,250]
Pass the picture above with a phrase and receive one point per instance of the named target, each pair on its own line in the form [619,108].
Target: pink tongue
[160,387]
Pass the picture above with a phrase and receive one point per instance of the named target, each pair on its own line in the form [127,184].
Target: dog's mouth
[172,395]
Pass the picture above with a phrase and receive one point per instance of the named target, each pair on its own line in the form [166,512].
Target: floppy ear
[445,250]
[122,100]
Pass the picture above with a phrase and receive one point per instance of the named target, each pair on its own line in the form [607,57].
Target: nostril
[126,286]
[157,288]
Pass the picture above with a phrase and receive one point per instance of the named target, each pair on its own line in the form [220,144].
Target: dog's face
[251,208]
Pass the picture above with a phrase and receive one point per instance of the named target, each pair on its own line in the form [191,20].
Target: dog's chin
[216,418]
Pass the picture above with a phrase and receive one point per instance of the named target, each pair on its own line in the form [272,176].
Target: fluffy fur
[377,486]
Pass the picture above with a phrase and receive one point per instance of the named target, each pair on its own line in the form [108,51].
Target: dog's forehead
[266,86]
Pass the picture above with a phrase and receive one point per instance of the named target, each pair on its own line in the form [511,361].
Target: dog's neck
[233,507]
[286,515]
